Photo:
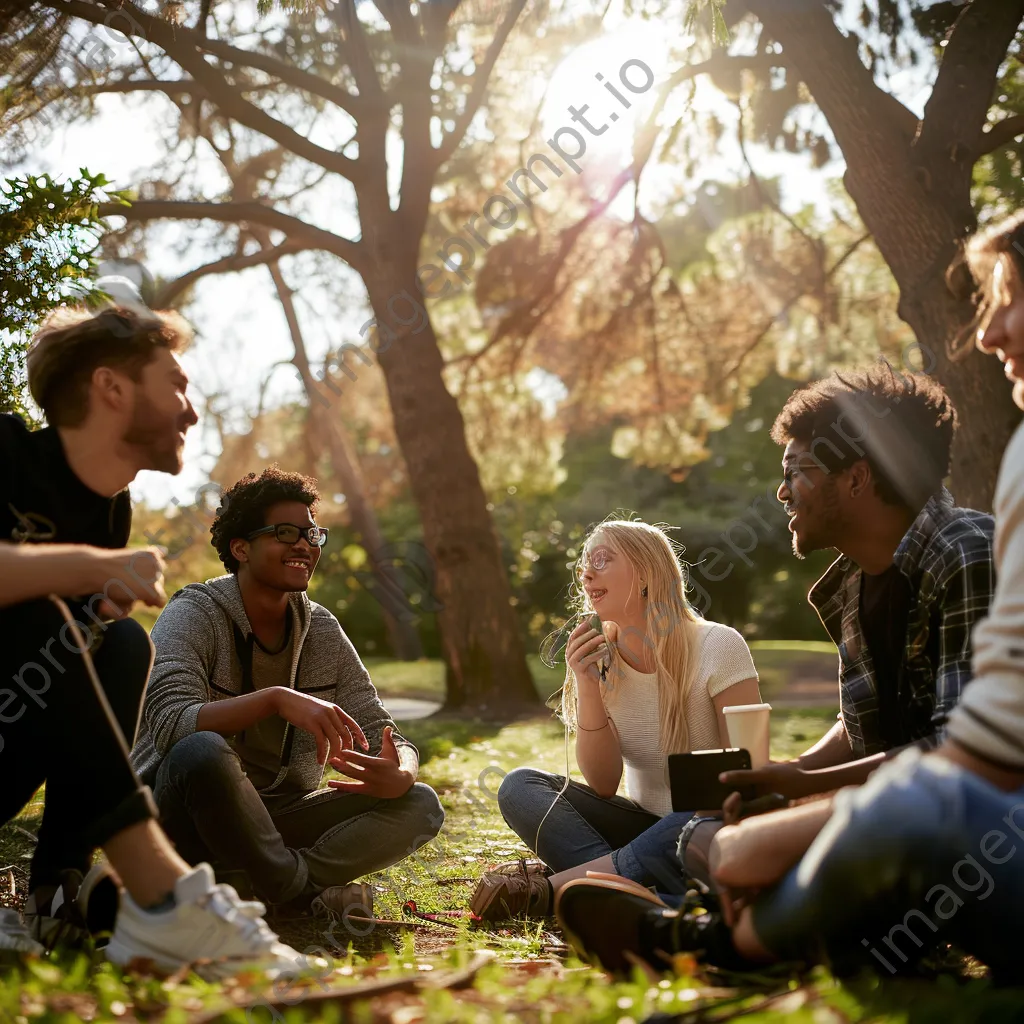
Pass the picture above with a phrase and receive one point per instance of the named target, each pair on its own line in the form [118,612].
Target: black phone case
[694,781]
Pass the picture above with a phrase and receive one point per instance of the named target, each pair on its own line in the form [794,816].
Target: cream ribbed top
[989,720]
[633,705]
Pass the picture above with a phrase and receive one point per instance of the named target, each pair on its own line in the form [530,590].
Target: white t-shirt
[723,659]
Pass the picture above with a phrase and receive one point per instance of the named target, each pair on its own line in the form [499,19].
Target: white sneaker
[209,927]
[15,937]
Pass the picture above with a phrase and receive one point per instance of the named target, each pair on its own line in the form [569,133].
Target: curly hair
[243,507]
[902,424]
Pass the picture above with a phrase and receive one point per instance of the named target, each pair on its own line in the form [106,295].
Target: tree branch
[298,231]
[400,18]
[479,87]
[860,113]
[956,110]
[227,265]
[181,87]
[360,61]
[1000,134]
[304,80]
[154,29]
[184,87]
[182,46]
[793,300]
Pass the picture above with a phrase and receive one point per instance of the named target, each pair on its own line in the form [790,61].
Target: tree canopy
[49,235]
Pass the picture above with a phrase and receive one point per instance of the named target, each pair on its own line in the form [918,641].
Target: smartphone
[694,781]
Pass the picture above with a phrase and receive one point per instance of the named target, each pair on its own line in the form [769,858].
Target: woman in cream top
[653,681]
[634,707]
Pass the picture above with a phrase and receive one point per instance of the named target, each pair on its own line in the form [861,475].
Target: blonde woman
[653,681]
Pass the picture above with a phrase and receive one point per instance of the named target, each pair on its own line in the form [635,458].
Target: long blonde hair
[669,622]
[1002,245]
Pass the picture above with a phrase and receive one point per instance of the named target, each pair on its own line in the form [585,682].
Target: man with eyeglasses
[255,690]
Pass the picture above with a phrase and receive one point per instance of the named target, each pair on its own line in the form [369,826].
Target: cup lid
[747,707]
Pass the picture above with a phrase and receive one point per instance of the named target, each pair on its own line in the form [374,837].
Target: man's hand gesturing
[334,730]
[381,776]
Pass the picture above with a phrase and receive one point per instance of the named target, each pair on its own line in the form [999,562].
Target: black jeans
[54,730]
[290,846]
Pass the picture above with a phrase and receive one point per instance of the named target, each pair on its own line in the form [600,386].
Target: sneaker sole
[614,960]
[209,970]
[616,883]
[12,957]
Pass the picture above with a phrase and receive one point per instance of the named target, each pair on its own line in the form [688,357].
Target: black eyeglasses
[287,533]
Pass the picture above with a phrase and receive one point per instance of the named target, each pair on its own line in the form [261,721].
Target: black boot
[604,924]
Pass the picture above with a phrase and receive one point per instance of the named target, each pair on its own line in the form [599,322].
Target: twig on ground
[390,923]
[342,997]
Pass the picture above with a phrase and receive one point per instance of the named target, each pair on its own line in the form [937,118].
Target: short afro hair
[243,507]
[902,424]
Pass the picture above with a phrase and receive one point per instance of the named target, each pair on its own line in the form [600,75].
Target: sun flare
[605,87]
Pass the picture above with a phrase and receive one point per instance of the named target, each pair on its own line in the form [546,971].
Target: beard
[820,527]
[155,435]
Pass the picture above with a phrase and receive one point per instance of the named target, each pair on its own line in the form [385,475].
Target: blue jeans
[583,826]
[923,853]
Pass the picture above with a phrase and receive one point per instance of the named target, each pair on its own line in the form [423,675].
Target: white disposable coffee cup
[748,728]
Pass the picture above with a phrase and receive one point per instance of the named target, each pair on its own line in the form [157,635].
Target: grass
[779,663]
[424,679]
[531,978]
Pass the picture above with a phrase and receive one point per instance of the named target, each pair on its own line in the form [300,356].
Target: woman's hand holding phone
[585,651]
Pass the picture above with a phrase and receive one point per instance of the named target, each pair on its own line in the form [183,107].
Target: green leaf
[49,231]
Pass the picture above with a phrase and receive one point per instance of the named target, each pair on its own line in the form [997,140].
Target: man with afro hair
[865,457]
[906,864]
[254,691]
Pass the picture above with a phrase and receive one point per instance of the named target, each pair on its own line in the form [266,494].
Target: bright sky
[241,330]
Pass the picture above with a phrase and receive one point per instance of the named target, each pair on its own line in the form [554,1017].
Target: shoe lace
[532,886]
[244,915]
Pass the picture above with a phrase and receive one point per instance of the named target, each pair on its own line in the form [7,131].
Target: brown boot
[519,891]
[337,900]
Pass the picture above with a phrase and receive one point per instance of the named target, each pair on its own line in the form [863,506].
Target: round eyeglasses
[288,533]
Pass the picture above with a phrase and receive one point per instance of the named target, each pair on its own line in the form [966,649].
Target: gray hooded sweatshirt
[204,652]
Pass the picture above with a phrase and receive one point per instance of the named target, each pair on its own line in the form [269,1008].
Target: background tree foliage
[626,344]
[49,233]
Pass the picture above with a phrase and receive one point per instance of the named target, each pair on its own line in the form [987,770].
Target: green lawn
[424,679]
[778,663]
[531,976]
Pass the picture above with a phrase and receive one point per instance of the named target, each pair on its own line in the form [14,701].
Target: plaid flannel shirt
[947,557]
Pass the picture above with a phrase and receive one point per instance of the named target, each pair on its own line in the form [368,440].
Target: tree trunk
[484,653]
[399,618]
[911,182]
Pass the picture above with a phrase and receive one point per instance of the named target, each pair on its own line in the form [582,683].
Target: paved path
[405,709]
